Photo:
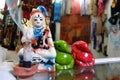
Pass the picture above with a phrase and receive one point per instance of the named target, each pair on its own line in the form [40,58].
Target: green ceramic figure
[64,59]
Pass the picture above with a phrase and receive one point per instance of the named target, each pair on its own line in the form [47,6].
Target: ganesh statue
[82,54]
[38,52]
[64,59]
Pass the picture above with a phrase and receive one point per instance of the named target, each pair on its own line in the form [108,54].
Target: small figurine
[64,59]
[38,46]
[82,54]
[40,30]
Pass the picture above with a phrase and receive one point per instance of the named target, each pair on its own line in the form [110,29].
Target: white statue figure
[37,42]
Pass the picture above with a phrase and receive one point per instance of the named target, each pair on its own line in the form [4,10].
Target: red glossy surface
[82,54]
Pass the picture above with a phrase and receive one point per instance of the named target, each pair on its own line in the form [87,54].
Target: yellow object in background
[114,2]
[25,22]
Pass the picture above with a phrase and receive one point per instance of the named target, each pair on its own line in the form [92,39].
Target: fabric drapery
[63,7]
[68,6]
[75,7]
[84,7]
[57,11]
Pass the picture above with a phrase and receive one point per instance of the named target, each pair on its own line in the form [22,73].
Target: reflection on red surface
[84,74]
[82,54]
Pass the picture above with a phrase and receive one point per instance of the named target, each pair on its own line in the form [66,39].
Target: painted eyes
[38,18]
[35,19]
[41,19]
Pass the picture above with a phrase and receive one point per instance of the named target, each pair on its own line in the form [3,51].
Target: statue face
[38,19]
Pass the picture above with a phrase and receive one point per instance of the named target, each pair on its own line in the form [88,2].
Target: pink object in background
[75,7]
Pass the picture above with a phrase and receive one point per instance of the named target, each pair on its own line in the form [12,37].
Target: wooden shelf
[74,28]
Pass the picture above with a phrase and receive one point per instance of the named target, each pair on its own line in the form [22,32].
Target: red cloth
[100,7]
[75,7]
